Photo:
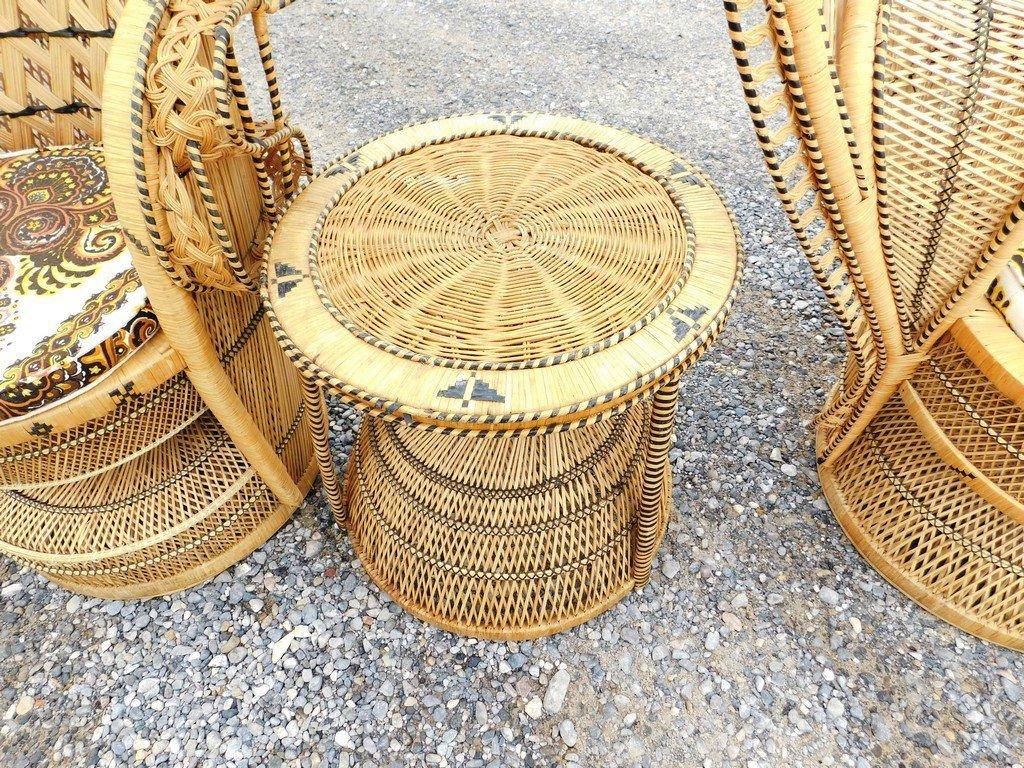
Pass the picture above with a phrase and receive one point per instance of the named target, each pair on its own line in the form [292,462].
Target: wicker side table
[511,300]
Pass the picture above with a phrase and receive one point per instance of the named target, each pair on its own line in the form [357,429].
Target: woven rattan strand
[568,273]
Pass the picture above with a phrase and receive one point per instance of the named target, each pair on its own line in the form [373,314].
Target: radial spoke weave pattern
[502,249]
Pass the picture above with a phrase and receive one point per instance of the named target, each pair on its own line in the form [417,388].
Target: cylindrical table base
[501,537]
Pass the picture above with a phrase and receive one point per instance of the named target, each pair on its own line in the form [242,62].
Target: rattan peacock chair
[898,155]
[153,433]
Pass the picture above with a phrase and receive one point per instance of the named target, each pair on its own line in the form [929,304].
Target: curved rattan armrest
[221,173]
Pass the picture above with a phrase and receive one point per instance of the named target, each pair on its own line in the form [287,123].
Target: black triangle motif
[484,392]
[287,278]
[456,391]
[679,169]
[681,327]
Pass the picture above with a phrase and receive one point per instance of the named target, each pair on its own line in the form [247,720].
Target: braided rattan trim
[199,117]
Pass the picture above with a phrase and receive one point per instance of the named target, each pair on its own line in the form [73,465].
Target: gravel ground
[763,640]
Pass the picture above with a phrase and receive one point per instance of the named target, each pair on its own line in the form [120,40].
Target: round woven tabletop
[501,270]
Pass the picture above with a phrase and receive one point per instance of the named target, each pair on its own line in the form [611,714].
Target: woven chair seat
[71,304]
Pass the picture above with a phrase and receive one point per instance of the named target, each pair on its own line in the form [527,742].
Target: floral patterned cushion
[71,304]
[1007,294]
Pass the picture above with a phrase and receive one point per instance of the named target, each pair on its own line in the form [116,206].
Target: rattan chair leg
[652,513]
[319,427]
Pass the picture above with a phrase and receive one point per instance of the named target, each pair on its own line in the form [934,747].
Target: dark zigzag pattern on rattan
[968,99]
[878,133]
[455,522]
[221,527]
[931,517]
[1012,221]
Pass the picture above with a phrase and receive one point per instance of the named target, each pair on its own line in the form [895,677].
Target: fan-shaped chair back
[901,169]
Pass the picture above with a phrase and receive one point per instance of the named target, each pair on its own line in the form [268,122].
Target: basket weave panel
[502,249]
[153,523]
[953,139]
[53,72]
[101,443]
[208,538]
[194,470]
[541,543]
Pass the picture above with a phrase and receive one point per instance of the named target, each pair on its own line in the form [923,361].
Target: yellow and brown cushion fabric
[1007,294]
[71,303]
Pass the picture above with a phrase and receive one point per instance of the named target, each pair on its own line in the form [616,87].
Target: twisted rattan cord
[826,259]
[855,311]
[652,515]
[319,430]
[592,251]
[527,534]
[971,411]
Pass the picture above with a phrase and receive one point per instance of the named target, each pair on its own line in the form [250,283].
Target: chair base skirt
[929,495]
[204,571]
[155,496]
[504,538]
